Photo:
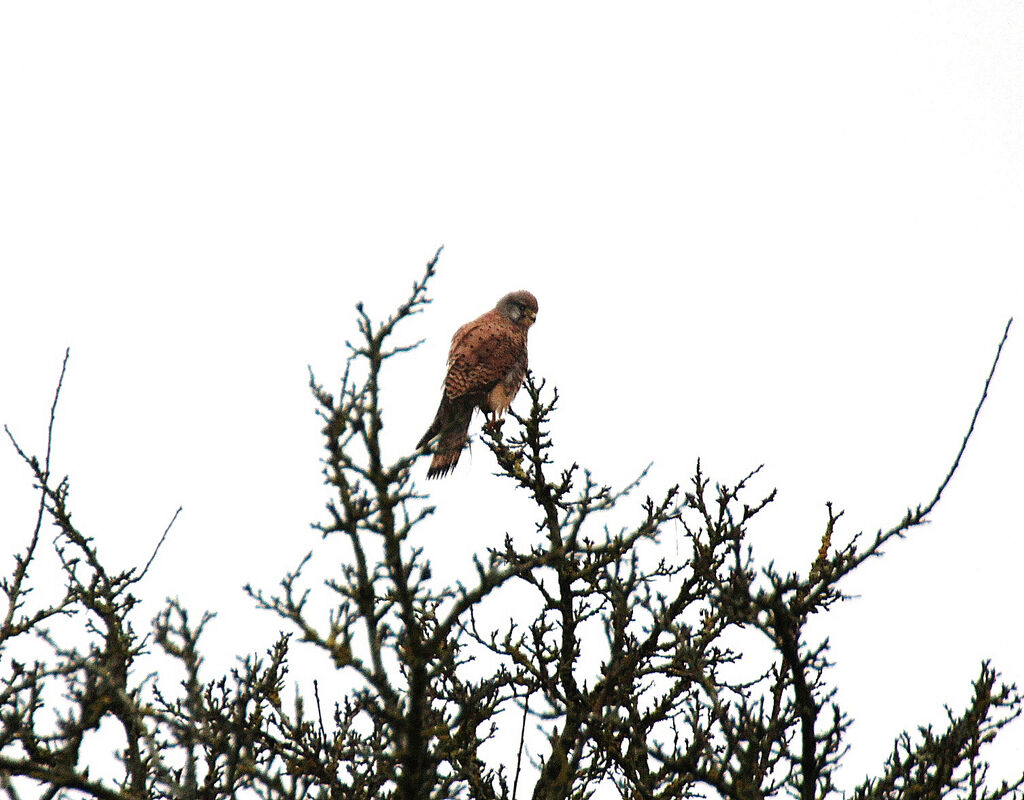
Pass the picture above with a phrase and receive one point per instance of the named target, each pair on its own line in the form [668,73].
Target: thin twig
[970,430]
[53,409]
[316,693]
[158,544]
[522,740]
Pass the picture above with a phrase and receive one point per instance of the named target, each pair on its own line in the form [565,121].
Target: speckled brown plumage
[486,366]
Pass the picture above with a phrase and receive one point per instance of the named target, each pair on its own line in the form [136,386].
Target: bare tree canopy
[628,659]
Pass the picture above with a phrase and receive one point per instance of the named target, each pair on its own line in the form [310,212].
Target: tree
[627,661]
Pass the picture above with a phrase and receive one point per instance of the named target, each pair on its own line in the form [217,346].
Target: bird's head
[520,307]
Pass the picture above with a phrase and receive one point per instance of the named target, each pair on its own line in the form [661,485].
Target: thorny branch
[626,650]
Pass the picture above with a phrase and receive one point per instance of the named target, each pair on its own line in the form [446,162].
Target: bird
[486,365]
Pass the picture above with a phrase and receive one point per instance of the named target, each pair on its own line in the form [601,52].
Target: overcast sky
[781,233]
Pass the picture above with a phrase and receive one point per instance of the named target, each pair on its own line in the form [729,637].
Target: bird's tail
[452,423]
[435,426]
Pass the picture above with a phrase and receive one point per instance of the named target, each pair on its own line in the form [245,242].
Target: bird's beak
[530,315]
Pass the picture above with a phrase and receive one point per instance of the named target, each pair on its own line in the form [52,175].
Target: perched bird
[486,367]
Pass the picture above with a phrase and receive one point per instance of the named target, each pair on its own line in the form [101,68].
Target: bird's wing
[483,353]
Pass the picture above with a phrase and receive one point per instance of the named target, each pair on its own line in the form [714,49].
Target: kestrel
[486,367]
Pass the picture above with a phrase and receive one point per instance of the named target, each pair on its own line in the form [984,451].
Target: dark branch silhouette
[622,671]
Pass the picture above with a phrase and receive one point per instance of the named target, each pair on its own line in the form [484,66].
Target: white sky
[786,233]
